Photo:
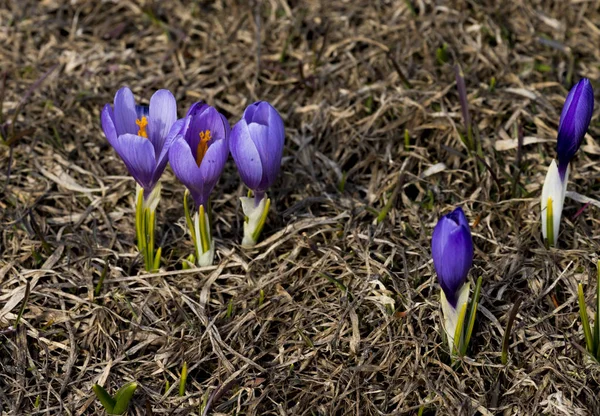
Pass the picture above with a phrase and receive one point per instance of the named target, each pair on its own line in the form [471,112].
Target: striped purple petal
[187,171]
[138,154]
[263,126]
[163,157]
[162,114]
[125,113]
[245,155]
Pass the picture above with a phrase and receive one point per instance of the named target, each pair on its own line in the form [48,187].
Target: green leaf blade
[106,399]
[123,397]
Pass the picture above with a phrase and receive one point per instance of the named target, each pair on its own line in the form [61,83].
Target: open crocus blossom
[257,147]
[197,157]
[574,121]
[452,252]
[141,136]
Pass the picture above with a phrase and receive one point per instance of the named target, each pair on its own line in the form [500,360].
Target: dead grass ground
[269,331]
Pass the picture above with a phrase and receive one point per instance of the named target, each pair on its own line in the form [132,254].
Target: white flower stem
[205,246]
[552,201]
[452,314]
[256,216]
[145,223]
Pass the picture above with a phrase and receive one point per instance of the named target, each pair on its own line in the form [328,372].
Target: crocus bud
[574,121]
[257,147]
[452,252]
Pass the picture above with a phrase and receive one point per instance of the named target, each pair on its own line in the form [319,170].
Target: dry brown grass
[268,331]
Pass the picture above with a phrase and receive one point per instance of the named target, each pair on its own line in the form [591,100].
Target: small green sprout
[592,339]
[116,405]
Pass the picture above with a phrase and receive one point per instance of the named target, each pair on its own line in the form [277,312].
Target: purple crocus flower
[257,146]
[141,135]
[574,122]
[199,153]
[452,252]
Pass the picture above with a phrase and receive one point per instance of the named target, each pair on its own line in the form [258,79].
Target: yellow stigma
[142,124]
[202,146]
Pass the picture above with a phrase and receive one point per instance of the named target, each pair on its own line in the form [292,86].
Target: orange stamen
[142,124]
[202,146]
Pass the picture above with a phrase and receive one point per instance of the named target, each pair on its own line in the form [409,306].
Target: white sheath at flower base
[553,188]
[151,202]
[203,258]
[451,314]
[253,214]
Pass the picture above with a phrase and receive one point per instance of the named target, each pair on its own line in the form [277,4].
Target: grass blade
[204,237]
[25,299]
[596,334]
[101,279]
[464,104]
[263,219]
[188,217]
[509,324]
[472,314]
[458,333]
[156,264]
[589,341]
[183,380]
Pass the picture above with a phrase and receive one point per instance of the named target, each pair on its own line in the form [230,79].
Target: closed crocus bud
[257,147]
[452,252]
[574,121]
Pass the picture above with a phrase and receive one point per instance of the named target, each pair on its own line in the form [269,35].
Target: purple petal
[245,155]
[162,115]
[259,134]
[196,108]
[213,163]
[276,139]
[574,121]
[125,113]
[138,154]
[184,166]
[107,120]
[268,134]
[258,112]
[452,252]
[162,160]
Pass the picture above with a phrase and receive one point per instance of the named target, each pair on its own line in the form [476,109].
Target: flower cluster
[197,147]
